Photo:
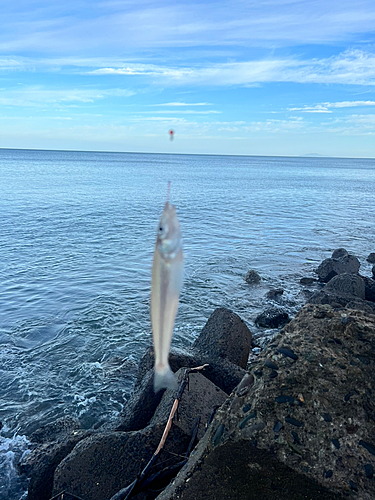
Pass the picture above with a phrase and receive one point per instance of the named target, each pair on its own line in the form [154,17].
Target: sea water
[77,232]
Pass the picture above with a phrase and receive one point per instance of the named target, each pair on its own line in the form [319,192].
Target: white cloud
[325,107]
[184,104]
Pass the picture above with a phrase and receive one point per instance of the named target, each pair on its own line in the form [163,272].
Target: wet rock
[274,293]
[371,257]
[103,464]
[373,272]
[305,437]
[339,252]
[225,336]
[307,281]
[331,267]
[252,277]
[198,400]
[273,317]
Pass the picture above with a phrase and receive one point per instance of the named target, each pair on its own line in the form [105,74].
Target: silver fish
[167,276]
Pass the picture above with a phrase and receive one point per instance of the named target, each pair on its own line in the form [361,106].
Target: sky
[254,77]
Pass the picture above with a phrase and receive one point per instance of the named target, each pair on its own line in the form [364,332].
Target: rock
[339,252]
[225,336]
[274,293]
[252,277]
[56,430]
[199,399]
[331,267]
[347,284]
[141,405]
[371,258]
[307,432]
[307,281]
[373,272]
[103,464]
[369,288]
[41,463]
[273,317]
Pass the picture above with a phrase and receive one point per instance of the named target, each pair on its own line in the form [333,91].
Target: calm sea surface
[77,232]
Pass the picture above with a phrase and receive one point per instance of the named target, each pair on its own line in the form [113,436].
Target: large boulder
[347,284]
[103,464]
[304,425]
[199,399]
[371,257]
[369,288]
[226,336]
[332,266]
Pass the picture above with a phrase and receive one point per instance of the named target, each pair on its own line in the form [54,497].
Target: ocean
[77,236]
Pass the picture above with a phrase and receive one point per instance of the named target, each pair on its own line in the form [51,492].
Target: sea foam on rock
[307,432]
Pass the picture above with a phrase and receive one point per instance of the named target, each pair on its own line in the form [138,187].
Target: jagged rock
[198,400]
[226,336]
[339,252]
[274,293]
[273,317]
[103,464]
[306,432]
[371,258]
[252,277]
[331,267]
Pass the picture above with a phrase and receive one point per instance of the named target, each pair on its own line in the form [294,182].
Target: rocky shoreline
[295,421]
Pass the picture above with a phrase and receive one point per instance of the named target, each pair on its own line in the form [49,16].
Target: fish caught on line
[167,277]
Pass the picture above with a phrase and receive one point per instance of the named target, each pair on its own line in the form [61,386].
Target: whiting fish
[167,276]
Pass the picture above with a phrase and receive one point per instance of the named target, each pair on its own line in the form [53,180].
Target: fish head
[168,239]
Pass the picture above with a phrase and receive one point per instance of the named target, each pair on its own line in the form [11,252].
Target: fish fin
[164,379]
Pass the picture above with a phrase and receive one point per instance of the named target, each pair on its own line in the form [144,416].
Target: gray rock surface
[199,400]
[306,432]
[347,284]
[331,267]
[339,252]
[226,336]
[103,464]
[371,257]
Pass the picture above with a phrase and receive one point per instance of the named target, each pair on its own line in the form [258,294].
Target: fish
[166,284]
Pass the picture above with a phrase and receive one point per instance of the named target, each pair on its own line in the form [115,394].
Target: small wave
[12,450]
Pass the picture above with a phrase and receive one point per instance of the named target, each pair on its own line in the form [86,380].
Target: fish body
[167,276]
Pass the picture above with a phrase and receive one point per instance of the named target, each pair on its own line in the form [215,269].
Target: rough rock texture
[371,257]
[103,464]
[339,252]
[252,277]
[225,335]
[331,267]
[274,293]
[346,290]
[369,288]
[272,317]
[303,424]
[201,398]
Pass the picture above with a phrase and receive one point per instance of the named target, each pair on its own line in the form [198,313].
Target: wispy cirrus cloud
[327,106]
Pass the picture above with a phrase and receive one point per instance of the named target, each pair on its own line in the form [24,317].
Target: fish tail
[164,378]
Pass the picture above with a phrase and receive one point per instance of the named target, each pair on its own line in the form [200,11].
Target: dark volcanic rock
[339,252]
[373,272]
[274,293]
[273,317]
[371,258]
[103,464]
[56,430]
[225,336]
[306,433]
[307,281]
[331,267]
[369,288]
[252,277]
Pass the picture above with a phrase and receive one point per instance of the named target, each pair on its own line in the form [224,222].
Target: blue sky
[273,77]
